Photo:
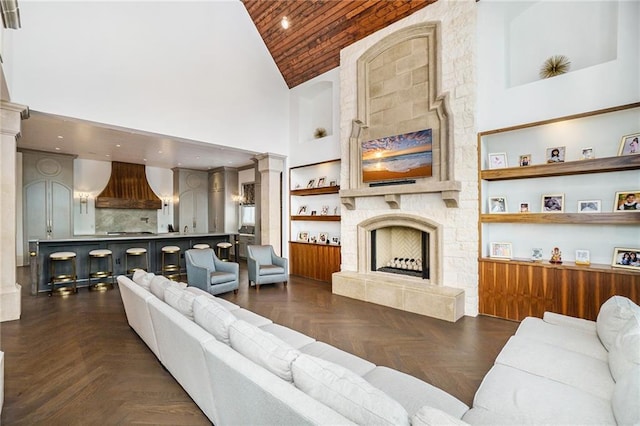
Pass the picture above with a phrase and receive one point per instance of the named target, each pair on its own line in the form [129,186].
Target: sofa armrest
[572,322]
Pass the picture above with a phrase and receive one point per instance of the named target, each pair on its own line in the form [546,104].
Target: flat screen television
[397,158]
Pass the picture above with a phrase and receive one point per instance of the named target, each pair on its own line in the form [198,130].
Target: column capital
[270,162]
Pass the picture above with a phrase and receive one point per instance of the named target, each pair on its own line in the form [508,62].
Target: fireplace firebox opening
[405,251]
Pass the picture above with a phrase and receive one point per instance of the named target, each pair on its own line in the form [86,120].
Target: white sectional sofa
[242,369]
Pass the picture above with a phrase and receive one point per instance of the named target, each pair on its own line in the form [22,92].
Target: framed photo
[628,258]
[333,183]
[313,239]
[555,154]
[497,205]
[524,207]
[311,183]
[501,250]
[553,203]
[627,201]
[498,160]
[322,181]
[589,206]
[525,160]
[314,212]
[324,211]
[536,254]
[582,257]
[302,210]
[335,240]
[323,238]
[587,153]
[303,236]
[629,144]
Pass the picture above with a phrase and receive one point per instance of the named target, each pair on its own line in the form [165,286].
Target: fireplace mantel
[450,191]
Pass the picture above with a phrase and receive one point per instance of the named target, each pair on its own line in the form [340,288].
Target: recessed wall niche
[315,111]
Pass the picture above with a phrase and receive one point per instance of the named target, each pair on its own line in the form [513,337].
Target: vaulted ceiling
[319,29]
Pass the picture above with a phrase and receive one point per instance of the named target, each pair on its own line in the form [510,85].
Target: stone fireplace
[418,73]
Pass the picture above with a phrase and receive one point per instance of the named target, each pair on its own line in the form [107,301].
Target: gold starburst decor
[555,65]
[320,133]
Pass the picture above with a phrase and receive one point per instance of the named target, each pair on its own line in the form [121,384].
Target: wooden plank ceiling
[319,29]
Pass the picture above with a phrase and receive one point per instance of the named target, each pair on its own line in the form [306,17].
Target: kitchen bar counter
[40,249]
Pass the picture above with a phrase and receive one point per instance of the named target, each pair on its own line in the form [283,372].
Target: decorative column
[10,118]
[270,167]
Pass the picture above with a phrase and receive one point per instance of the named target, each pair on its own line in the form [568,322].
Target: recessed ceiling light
[107,155]
[57,148]
[197,158]
[284,22]
[118,145]
[144,159]
[60,137]
[159,152]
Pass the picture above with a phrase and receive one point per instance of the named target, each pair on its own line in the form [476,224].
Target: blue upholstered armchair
[265,267]
[207,272]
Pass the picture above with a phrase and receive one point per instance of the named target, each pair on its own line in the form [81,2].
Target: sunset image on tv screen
[397,157]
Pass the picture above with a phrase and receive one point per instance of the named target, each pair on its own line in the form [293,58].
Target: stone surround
[451,204]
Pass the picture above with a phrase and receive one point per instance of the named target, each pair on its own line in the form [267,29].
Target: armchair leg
[235,291]
[285,283]
[257,286]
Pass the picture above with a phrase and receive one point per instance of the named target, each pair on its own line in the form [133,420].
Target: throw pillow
[157,286]
[142,278]
[626,395]
[263,348]
[625,351]
[180,300]
[346,392]
[613,315]
[212,317]
[429,416]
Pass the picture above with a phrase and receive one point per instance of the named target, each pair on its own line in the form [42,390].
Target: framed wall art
[553,203]
[501,250]
[629,144]
[627,201]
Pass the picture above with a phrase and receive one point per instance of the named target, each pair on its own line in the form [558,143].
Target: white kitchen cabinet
[191,210]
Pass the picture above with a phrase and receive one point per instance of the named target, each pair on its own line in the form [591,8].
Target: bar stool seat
[171,268]
[201,246]
[62,270]
[223,250]
[105,269]
[131,254]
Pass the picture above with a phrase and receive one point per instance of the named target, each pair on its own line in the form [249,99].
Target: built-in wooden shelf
[593,165]
[564,265]
[316,218]
[316,191]
[611,218]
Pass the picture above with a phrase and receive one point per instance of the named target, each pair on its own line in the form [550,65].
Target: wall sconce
[84,201]
[239,198]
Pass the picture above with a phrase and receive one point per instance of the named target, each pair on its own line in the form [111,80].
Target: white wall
[594,83]
[197,70]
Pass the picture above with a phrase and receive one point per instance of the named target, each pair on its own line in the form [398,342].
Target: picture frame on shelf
[498,160]
[322,181]
[324,211]
[628,258]
[333,183]
[302,210]
[313,239]
[311,183]
[314,213]
[501,250]
[552,203]
[536,254]
[583,257]
[630,144]
[588,153]
[303,236]
[498,205]
[627,201]
[525,160]
[556,154]
[589,206]
[335,240]
[323,238]
[524,207]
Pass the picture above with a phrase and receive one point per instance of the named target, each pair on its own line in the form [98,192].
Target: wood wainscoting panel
[517,289]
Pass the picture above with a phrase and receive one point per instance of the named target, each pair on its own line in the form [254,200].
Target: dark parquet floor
[75,361]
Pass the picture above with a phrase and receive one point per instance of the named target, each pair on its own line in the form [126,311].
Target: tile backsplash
[126,220]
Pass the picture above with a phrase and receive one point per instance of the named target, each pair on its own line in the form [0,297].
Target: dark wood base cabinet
[517,289]
[315,261]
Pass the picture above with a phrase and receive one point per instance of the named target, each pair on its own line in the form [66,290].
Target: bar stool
[223,250]
[171,270]
[62,269]
[201,246]
[133,253]
[103,260]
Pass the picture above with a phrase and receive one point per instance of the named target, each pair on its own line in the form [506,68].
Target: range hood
[128,189]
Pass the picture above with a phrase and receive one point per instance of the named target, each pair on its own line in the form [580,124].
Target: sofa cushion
[159,283]
[429,416]
[142,278]
[271,270]
[330,353]
[222,302]
[625,351]
[218,277]
[613,315]
[413,393]
[180,300]
[625,399]
[346,392]
[263,348]
[292,337]
[213,317]
[251,317]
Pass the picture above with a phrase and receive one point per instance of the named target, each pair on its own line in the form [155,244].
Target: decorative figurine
[556,256]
